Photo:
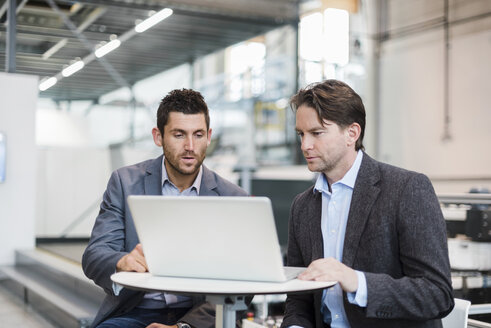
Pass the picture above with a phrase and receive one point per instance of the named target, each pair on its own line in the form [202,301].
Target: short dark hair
[334,101]
[184,101]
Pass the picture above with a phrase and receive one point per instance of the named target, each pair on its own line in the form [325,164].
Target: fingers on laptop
[330,269]
[133,261]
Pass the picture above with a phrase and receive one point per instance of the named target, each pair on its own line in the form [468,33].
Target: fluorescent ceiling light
[45,85]
[73,68]
[152,20]
[107,48]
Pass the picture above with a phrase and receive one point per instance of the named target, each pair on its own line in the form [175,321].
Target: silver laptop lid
[208,237]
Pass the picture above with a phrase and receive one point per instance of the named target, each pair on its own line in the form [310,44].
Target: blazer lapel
[208,183]
[315,215]
[364,195]
[153,178]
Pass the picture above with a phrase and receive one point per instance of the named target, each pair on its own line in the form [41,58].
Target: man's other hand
[330,269]
[133,261]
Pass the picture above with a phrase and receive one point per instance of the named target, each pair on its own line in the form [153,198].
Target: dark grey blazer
[114,235]
[395,234]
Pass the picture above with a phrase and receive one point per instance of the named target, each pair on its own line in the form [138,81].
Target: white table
[228,295]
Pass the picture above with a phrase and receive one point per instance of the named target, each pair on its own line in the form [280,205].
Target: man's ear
[209,137]
[157,137]
[353,133]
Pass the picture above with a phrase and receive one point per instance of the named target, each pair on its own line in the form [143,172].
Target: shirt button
[333,231]
[336,316]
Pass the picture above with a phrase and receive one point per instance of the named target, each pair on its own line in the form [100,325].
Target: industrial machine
[468,218]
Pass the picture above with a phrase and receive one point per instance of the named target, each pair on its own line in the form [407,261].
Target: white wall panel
[412,99]
[70,181]
[403,13]
[18,96]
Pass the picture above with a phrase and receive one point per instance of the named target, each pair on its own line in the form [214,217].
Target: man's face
[184,141]
[324,146]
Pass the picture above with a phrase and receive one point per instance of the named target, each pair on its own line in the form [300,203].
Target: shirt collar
[349,179]
[196,184]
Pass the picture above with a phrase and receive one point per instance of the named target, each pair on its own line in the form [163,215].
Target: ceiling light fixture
[152,20]
[107,48]
[46,84]
[73,68]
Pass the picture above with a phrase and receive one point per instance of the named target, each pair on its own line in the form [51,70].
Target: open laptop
[210,237]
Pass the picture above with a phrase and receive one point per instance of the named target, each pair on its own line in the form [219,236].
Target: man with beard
[183,131]
[374,228]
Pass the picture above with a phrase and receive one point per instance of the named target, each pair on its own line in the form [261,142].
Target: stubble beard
[325,165]
[322,167]
[174,163]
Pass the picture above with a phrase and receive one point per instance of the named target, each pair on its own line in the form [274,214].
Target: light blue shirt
[166,300]
[334,217]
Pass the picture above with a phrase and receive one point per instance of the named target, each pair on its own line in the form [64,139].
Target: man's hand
[331,269]
[133,261]
[159,325]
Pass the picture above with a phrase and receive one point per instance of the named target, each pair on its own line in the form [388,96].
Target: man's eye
[199,135]
[179,135]
[317,133]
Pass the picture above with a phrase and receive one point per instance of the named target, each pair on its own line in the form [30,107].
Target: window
[246,67]
[324,44]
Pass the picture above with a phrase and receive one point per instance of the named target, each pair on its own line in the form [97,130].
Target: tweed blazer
[114,235]
[395,234]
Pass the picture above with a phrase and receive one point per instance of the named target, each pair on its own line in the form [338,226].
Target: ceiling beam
[107,66]
[92,17]
[11,36]
[56,34]
[236,15]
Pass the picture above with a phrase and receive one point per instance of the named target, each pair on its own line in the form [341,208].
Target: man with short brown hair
[376,229]
[183,131]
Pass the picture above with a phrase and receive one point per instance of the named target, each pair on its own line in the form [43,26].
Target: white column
[18,97]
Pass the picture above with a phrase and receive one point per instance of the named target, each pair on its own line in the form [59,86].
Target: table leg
[225,309]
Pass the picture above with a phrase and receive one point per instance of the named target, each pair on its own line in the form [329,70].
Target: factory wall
[417,131]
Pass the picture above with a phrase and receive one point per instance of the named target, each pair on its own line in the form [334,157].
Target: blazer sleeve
[299,308]
[201,315]
[107,242]
[424,291]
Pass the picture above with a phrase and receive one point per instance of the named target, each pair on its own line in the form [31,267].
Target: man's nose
[189,145]
[306,143]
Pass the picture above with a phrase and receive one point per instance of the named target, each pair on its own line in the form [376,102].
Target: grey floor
[13,313]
